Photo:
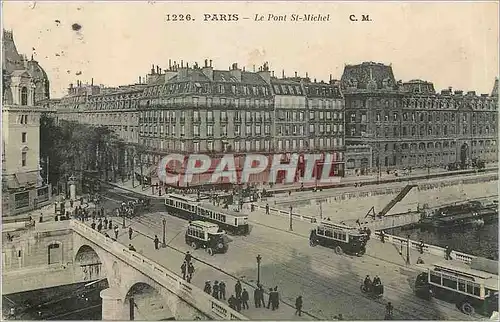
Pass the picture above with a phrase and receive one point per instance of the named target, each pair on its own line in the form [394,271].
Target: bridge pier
[113,306]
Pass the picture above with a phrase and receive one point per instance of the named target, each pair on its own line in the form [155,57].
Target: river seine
[480,241]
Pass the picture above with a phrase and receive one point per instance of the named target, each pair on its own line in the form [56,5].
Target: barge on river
[472,213]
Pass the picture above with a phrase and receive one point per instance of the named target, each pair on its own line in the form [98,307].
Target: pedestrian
[110,224]
[267,209]
[156,242]
[188,257]
[237,302]
[261,297]
[184,270]
[421,246]
[130,233]
[222,290]
[102,211]
[99,227]
[447,254]
[232,302]
[244,299]
[276,300]
[105,222]
[71,203]
[131,247]
[190,270]
[271,296]
[116,232]
[298,305]
[256,297]
[208,287]
[215,290]
[237,289]
[92,225]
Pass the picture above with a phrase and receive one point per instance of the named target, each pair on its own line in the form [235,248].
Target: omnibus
[472,290]
[191,209]
[344,239]
[202,234]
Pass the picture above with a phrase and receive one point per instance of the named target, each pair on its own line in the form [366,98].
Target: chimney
[152,69]
[235,72]
[295,74]
[208,71]
[170,64]
[187,65]
[182,63]
[254,68]
[330,77]
[139,79]
[92,82]
[266,75]
[307,75]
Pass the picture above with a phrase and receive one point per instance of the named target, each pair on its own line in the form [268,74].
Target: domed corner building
[25,86]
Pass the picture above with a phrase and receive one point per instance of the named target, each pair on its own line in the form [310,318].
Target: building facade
[203,110]
[24,84]
[410,125]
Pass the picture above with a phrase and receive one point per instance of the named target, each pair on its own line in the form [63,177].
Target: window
[248,130]
[23,137]
[224,130]
[196,116]
[210,146]
[196,146]
[23,158]
[237,129]
[210,116]
[196,130]
[311,128]
[24,96]
[210,130]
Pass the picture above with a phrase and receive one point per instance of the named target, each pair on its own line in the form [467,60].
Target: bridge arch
[148,303]
[89,264]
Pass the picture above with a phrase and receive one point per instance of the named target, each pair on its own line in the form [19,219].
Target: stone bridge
[157,293]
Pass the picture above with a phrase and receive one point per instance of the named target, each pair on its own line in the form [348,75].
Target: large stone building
[24,85]
[202,110]
[409,125]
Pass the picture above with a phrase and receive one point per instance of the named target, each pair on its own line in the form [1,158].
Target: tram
[344,239]
[470,289]
[191,209]
[201,234]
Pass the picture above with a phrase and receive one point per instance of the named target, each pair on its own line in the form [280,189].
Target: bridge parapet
[431,249]
[164,277]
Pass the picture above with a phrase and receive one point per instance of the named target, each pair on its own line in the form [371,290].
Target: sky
[449,43]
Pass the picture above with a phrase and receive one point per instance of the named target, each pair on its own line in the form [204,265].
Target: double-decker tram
[344,239]
[191,209]
[470,289]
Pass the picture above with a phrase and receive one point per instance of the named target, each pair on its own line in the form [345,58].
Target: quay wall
[355,204]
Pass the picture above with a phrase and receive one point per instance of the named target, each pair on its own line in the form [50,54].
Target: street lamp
[408,250]
[291,228]
[164,221]
[321,209]
[123,222]
[258,269]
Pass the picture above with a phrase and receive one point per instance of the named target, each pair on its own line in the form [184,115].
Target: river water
[480,241]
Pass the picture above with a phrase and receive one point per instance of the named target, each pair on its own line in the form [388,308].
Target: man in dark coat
[256,297]
[208,287]
[244,299]
[184,270]
[215,290]
[298,306]
[237,289]
[130,233]
[156,242]
[92,225]
[222,290]
[188,257]
[232,302]
[190,270]
[271,296]
[276,298]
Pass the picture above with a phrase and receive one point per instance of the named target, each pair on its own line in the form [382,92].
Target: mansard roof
[368,75]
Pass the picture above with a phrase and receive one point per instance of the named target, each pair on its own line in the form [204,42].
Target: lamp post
[408,250]
[123,222]
[291,227]
[258,269]
[164,221]
[321,209]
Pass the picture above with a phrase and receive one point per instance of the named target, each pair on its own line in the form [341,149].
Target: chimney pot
[210,63]
[206,62]
[182,63]
[295,74]
[169,63]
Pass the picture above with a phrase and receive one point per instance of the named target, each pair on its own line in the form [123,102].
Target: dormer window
[24,96]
